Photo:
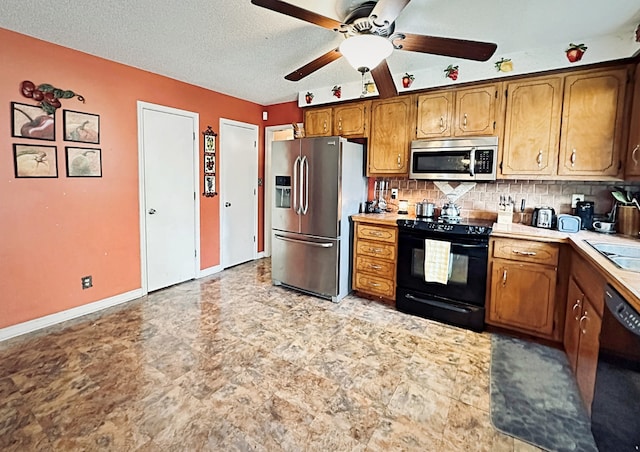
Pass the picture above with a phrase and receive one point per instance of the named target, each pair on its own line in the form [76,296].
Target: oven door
[467,272]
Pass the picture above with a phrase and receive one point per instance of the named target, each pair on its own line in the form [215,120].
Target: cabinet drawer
[370,232]
[378,267]
[376,249]
[526,251]
[374,285]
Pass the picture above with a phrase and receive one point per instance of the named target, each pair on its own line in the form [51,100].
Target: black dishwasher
[615,412]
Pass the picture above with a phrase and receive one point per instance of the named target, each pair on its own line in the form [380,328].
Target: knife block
[628,222]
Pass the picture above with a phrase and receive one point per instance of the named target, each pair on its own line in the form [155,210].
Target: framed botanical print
[81,127]
[35,160]
[31,121]
[83,162]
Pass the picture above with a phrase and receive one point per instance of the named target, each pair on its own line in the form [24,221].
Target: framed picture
[35,160]
[31,121]
[83,162]
[209,186]
[209,163]
[81,127]
[209,144]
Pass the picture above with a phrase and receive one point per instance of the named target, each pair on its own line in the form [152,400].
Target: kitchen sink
[627,257]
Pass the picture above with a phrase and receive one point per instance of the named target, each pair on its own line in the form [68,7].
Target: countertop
[624,281]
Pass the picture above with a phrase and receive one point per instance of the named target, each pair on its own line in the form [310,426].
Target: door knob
[227,204]
[152,211]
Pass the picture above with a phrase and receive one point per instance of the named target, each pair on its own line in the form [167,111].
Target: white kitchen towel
[436,261]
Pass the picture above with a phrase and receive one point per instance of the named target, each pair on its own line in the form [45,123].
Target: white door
[239,173]
[169,205]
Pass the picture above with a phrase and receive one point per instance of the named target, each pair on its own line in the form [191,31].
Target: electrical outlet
[394,193]
[575,198]
[87,282]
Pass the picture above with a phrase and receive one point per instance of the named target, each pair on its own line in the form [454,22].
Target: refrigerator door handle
[305,163]
[317,244]
[296,207]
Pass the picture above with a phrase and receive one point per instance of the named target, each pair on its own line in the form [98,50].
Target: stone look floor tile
[231,362]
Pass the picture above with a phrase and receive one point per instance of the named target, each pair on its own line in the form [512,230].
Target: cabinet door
[632,168]
[590,324]
[532,127]
[592,123]
[434,115]
[522,296]
[572,323]
[352,120]
[317,122]
[390,136]
[475,111]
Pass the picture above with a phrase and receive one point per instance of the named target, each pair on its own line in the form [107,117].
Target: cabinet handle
[399,161]
[340,124]
[372,284]
[375,250]
[539,159]
[585,317]
[375,267]
[375,233]
[524,253]
[573,158]
[325,125]
[577,306]
[633,155]
[441,122]
[464,121]
[504,277]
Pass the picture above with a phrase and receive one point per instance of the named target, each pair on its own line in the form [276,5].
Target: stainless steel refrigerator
[319,183]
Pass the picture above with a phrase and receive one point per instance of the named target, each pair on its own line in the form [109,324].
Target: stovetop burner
[447,225]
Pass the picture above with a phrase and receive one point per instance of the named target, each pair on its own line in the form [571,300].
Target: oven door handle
[439,304]
[470,246]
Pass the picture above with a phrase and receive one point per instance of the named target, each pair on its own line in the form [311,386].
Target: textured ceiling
[236,48]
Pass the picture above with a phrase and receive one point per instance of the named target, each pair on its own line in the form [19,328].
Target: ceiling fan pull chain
[364,88]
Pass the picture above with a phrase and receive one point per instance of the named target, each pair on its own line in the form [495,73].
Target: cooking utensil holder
[628,220]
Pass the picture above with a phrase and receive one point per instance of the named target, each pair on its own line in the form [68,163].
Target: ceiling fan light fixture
[365,52]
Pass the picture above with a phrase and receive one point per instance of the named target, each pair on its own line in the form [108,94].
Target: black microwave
[465,159]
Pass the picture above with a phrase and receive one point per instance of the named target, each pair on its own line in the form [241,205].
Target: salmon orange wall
[54,231]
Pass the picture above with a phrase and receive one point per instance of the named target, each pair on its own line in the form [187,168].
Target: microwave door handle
[472,162]
[295,185]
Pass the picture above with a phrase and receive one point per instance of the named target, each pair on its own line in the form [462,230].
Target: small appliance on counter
[569,223]
[584,209]
[544,217]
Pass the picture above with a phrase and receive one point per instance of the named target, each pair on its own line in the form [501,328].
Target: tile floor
[230,362]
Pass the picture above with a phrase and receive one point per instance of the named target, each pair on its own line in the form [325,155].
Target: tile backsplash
[482,200]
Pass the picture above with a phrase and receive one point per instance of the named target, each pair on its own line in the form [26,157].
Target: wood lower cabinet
[532,127]
[632,167]
[523,284]
[375,258]
[585,304]
[593,123]
[390,136]
[318,122]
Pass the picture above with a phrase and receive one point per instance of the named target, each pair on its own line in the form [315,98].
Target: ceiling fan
[370,37]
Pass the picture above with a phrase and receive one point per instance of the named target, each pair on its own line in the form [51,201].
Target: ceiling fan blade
[386,12]
[299,13]
[314,65]
[384,81]
[459,48]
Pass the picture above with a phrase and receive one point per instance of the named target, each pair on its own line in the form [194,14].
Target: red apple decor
[575,52]
[337,91]
[452,72]
[48,95]
[308,97]
[41,127]
[407,80]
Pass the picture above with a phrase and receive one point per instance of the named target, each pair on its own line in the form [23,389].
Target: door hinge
[255,144]
[496,94]
[195,253]
[506,93]
[194,136]
[194,195]
[500,165]
[254,191]
[254,239]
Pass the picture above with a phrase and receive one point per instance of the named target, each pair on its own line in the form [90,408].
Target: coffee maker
[584,209]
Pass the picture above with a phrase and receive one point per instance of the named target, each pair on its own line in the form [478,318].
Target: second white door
[239,164]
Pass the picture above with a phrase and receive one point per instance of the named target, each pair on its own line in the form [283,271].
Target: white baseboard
[210,271]
[59,317]
[260,255]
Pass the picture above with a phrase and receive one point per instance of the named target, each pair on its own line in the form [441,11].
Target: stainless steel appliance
[461,300]
[544,217]
[466,159]
[615,423]
[425,208]
[319,183]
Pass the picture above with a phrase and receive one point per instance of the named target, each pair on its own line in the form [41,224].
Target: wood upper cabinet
[592,123]
[632,168]
[352,120]
[390,136]
[435,112]
[476,110]
[318,121]
[532,127]
[522,289]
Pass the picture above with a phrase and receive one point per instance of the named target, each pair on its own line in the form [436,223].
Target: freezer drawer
[307,263]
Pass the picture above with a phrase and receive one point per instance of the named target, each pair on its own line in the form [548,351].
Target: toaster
[544,217]
[569,223]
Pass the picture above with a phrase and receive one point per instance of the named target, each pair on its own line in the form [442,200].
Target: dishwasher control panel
[622,310]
